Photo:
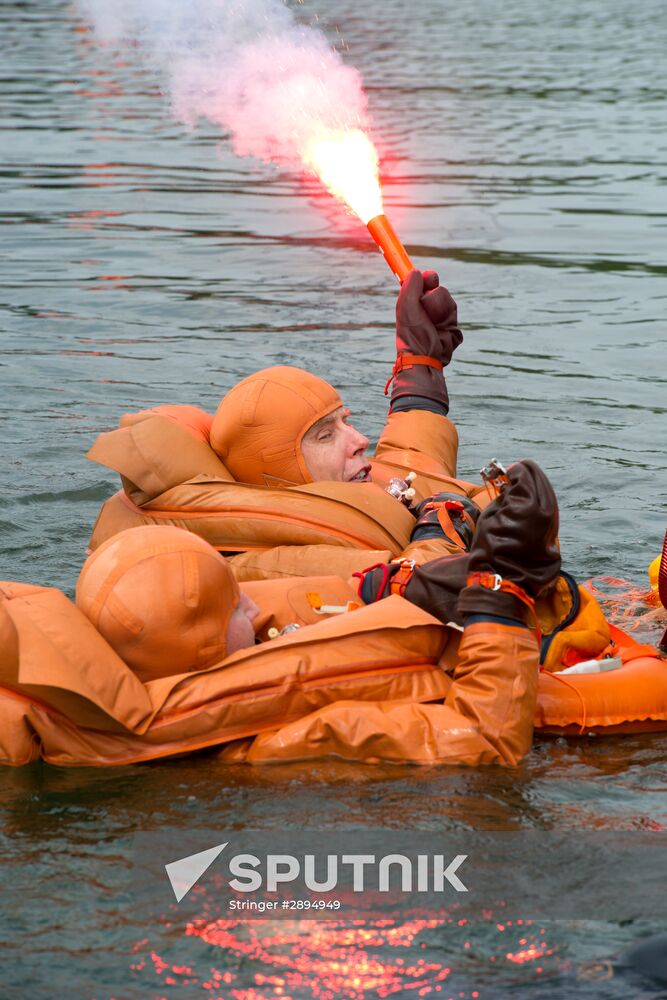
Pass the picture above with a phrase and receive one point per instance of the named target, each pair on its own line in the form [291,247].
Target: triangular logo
[186,871]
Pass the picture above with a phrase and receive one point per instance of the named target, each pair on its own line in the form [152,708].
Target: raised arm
[418,432]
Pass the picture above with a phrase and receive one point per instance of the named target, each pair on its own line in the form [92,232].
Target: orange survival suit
[371,683]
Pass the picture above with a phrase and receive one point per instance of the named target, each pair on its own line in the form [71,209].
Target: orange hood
[260,423]
[161,597]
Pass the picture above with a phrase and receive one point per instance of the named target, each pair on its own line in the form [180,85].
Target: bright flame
[346,162]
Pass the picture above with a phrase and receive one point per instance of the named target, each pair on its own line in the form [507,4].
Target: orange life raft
[629,699]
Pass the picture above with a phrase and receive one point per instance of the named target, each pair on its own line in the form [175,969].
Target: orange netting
[629,606]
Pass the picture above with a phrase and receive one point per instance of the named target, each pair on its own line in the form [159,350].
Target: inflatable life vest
[171,475]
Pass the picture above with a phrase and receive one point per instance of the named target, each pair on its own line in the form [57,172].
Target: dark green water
[526,159]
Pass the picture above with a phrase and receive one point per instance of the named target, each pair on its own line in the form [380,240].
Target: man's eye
[324,436]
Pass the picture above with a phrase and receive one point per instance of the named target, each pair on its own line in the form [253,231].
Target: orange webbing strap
[445,509]
[465,516]
[400,580]
[407,361]
[448,528]
[397,583]
[446,521]
[493,581]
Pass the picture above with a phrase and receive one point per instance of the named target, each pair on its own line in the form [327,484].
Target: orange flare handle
[394,252]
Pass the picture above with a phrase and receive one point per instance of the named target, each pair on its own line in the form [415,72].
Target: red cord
[572,688]
[369,569]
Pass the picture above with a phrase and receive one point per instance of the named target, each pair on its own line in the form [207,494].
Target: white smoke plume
[245,65]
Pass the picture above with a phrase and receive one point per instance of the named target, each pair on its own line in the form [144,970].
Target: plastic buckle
[408,564]
[497,581]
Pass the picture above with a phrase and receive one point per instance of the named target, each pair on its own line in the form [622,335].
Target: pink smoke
[247,67]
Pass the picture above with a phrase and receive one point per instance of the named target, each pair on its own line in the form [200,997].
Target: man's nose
[357,441]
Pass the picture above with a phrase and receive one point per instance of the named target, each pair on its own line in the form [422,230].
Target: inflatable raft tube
[629,698]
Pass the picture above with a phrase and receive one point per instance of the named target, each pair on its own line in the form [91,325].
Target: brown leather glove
[516,539]
[426,328]
[434,587]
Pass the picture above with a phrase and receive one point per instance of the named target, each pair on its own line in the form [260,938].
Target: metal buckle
[494,475]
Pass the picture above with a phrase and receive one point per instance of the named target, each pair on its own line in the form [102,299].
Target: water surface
[525,158]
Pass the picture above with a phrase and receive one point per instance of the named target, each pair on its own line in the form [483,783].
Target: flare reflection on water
[358,960]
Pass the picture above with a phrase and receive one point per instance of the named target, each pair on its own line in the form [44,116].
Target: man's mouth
[363,476]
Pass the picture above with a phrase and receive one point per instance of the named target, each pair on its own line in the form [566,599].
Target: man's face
[240,630]
[334,450]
